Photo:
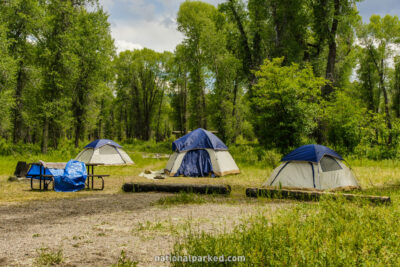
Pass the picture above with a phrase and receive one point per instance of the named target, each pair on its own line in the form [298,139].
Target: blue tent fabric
[198,139]
[196,163]
[102,142]
[311,153]
[70,179]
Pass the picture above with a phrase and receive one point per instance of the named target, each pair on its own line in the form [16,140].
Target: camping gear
[151,175]
[315,167]
[200,153]
[177,188]
[21,169]
[66,177]
[310,195]
[104,151]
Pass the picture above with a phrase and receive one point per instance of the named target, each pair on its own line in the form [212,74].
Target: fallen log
[176,188]
[309,195]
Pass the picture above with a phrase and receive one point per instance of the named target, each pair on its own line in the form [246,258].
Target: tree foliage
[287,102]
[283,73]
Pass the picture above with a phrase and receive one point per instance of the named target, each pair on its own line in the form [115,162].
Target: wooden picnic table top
[94,164]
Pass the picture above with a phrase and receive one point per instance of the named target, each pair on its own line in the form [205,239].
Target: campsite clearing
[93,230]
[93,227]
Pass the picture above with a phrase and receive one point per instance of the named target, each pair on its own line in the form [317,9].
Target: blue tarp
[35,170]
[102,142]
[198,139]
[196,163]
[70,179]
[311,153]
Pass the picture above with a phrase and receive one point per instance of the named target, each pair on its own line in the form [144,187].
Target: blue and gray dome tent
[104,151]
[312,166]
[200,153]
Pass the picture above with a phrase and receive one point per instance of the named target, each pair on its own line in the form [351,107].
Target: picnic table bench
[91,175]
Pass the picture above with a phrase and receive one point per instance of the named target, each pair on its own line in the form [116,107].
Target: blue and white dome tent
[104,151]
[200,153]
[315,167]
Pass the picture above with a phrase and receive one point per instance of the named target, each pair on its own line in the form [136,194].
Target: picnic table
[45,179]
[91,175]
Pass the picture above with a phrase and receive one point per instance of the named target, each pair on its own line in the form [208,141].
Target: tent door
[196,163]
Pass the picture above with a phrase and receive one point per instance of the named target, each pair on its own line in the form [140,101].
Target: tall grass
[330,233]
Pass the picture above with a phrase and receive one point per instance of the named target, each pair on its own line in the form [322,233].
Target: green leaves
[285,103]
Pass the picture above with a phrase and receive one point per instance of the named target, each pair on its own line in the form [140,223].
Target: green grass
[325,233]
[124,261]
[328,233]
[48,257]
[183,198]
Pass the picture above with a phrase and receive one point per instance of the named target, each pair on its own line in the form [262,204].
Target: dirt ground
[93,230]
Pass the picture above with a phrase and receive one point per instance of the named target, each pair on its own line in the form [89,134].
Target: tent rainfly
[312,166]
[104,151]
[198,154]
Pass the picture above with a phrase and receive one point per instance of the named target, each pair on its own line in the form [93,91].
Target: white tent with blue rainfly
[104,151]
[312,167]
[198,154]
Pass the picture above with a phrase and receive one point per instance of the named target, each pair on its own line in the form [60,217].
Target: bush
[285,103]
[255,155]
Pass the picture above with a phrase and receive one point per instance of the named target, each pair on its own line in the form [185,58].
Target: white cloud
[123,45]
[153,35]
[145,23]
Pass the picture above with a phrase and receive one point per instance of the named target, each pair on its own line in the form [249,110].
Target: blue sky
[152,23]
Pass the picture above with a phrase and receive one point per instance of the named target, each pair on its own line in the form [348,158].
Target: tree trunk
[235,125]
[330,67]
[78,131]
[17,114]
[203,107]
[158,138]
[386,99]
[247,55]
[45,136]
[185,109]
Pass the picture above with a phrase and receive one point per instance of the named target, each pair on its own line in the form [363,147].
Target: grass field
[328,233]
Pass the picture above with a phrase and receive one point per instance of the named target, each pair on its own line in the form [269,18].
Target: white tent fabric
[329,173]
[222,162]
[107,155]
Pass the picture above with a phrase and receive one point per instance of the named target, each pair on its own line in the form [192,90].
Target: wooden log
[175,188]
[309,195]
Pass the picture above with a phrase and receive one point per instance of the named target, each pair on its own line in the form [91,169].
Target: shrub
[255,155]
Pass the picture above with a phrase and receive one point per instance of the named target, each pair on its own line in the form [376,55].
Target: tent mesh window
[329,164]
[107,150]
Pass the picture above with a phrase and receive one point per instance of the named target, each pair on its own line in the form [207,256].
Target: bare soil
[93,230]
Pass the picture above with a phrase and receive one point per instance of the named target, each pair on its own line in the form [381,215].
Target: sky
[152,23]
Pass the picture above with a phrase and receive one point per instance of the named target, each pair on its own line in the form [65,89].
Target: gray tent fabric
[329,173]
[107,154]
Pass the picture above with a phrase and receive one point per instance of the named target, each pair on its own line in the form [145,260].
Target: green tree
[93,49]
[378,39]
[140,87]
[286,99]
[192,18]
[7,80]
[23,18]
